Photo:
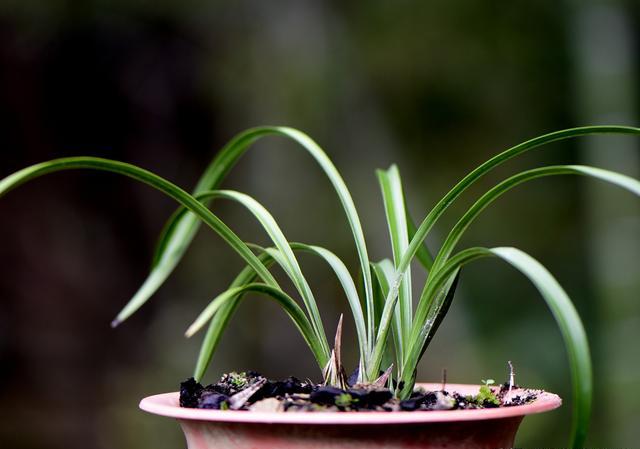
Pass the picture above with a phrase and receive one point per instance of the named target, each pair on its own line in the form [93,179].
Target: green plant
[385,303]
[238,380]
[486,394]
[345,400]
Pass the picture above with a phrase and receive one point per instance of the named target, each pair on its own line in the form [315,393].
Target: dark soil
[251,391]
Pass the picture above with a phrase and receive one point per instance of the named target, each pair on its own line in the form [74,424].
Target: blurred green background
[435,86]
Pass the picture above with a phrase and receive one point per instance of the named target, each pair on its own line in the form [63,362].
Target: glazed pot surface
[483,428]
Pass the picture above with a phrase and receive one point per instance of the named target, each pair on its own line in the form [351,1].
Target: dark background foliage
[436,87]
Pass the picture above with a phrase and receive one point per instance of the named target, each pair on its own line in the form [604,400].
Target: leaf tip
[191,331]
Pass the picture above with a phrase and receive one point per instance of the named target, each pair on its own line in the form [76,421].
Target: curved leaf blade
[573,333]
[565,314]
[496,192]
[423,254]
[437,211]
[267,256]
[349,287]
[618,179]
[192,204]
[289,262]
[290,307]
[220,320]
[486,167]
[176,239]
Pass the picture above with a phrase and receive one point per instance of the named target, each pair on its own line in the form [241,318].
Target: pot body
[485,434]
[464,429]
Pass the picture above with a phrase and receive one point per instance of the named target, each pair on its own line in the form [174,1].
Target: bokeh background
[435,86]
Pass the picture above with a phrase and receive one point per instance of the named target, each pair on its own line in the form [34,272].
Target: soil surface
[252,391]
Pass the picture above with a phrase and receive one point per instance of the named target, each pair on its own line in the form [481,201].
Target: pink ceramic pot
[486,428]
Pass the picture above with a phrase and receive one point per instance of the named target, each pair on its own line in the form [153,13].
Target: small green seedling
[486,395]
[345,400]
[238,380]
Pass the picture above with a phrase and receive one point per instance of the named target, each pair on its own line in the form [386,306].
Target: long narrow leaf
[614,178]
[446,294]
[267,255]
[176,239]
[186,200]
[291,265]
[422,254]
[442,205]
[496,192]
[572,331]
[344,278]
[384,325]
[564,312]
[439,308]
[289,261]
[492,163]
[285,301]
[383,274]
[350,290]
[220,320]
[391,187]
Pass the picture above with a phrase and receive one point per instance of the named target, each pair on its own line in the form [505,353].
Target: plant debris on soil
[252,391]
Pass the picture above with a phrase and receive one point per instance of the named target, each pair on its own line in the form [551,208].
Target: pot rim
[167,404]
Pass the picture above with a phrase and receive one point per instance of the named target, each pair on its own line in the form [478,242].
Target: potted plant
[391,335]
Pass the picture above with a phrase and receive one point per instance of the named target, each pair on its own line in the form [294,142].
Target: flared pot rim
[167,404]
